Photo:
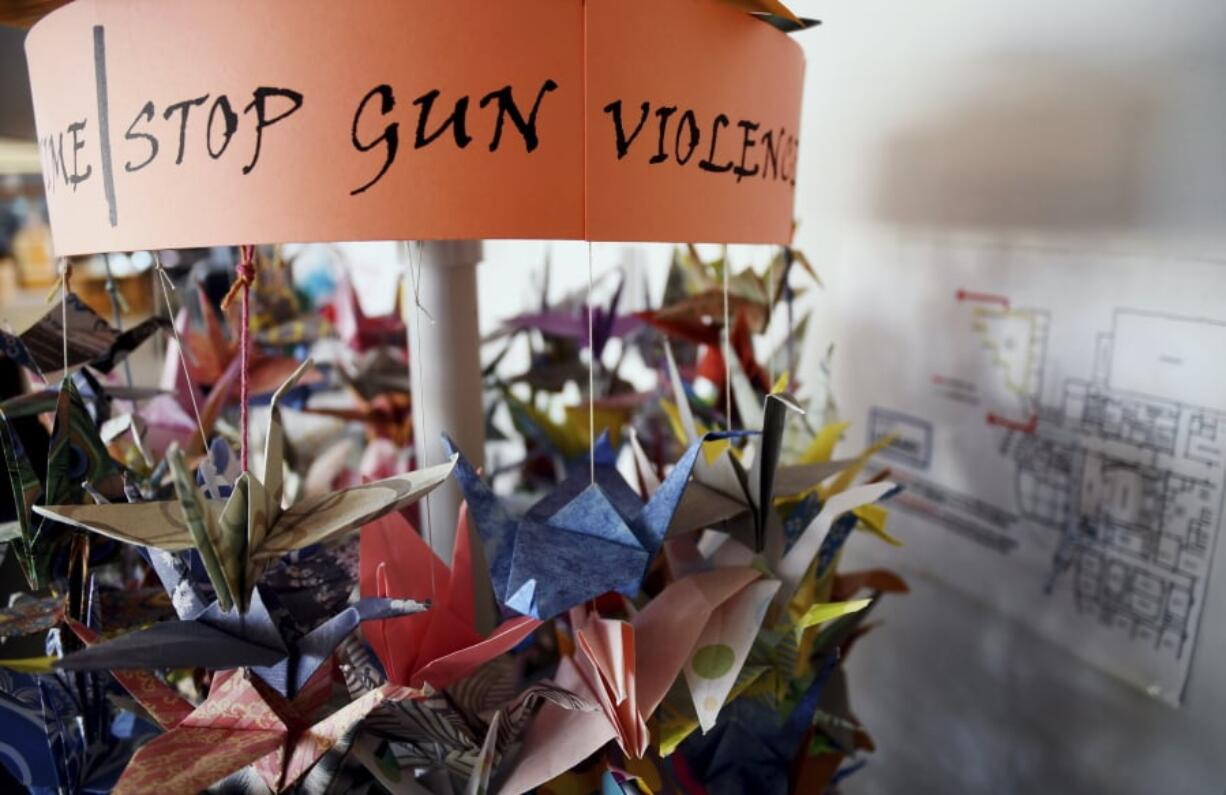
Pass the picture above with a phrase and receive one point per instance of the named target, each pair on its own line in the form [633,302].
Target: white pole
[447,390]
[449,396]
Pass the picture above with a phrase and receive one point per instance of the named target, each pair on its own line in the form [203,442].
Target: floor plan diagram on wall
[1059,421]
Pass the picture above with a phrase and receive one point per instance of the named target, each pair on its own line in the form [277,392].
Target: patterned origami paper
[752,750]
[628,679]
[61,734]
[90,339]
[278,316]
[240,718]
[436,736]
[244,722]
[791,566]
[122,608]
[76,456]
[217,639]
[587,538]
[744,633]
[238,538]
[441,646]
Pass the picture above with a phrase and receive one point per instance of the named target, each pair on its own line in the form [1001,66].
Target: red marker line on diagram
[983,298]
[1029,426]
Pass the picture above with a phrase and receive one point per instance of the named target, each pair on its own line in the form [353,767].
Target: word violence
[725,148]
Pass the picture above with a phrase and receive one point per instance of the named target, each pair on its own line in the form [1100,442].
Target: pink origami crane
[625,666]
[440,646]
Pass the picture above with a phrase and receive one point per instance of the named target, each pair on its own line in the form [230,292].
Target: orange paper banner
[175,123]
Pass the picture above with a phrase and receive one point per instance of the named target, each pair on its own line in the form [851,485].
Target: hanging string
[65,289]
[244,277]
[591,369]
[770,314]
[727,341]
[788,259]
[163,278]
[417,400]
[118,307]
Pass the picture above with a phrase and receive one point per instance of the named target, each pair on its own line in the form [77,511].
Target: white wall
[1098,124]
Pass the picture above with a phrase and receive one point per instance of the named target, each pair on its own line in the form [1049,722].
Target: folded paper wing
[150,524]
[88,339]
[239,537]
[721,651]
[792,565]
[77,459]
[242,723]
[218,640]
[323,518]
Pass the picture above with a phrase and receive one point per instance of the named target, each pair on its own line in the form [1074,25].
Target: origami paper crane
[91,340]
[724,494]
[212,356]
[737,658]
[764,741]
[234,724]
[375,372]
[216,639]
[387,415]
[573,324]
[360,331]
[62,732]
[587,538]
[239,537]
[279,318]
[76,456]
[627,668]
[243,722]
[438,647]
[721,650]
[751,750]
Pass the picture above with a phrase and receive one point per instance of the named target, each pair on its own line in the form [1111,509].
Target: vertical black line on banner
[104,123]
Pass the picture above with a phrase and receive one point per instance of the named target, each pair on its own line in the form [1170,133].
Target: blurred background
[1097,128]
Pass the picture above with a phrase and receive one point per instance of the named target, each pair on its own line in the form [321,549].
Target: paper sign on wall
[1060,435]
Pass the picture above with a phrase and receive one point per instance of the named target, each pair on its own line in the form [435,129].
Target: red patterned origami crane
[242,722]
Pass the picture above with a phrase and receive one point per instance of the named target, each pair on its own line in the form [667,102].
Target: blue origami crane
[588,537]
[266,638]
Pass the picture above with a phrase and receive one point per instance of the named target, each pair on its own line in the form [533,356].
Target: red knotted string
[244,278]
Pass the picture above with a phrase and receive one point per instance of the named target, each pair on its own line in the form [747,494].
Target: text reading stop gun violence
[210,124]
